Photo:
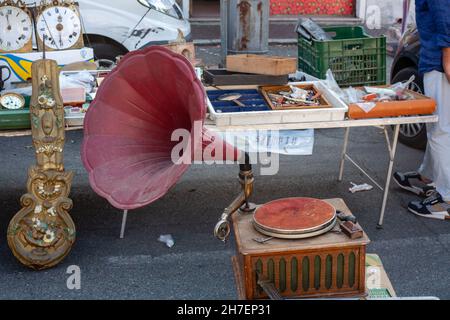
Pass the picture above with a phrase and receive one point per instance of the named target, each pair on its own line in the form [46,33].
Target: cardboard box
[377,280]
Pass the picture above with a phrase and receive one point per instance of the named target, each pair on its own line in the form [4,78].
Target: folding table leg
[124,223]
[344,154]
[392,152]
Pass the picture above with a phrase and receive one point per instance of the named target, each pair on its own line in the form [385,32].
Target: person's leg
[436,163]
[426,169]
[421,182]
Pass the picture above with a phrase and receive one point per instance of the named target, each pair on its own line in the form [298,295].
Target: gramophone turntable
[295,218]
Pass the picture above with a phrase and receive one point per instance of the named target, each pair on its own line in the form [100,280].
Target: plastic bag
[331,83]
[167,239]
[82,79]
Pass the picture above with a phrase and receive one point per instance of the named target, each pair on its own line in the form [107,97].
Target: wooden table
[383,123]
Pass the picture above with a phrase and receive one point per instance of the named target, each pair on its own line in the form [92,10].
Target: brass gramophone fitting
[241,203]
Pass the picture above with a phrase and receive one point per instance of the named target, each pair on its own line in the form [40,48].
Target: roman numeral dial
[15,28]
[59,26]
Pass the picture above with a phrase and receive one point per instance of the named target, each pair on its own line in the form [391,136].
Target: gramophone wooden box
[330,265]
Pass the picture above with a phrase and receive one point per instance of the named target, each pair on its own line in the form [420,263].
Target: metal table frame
[384,123]
[345,124]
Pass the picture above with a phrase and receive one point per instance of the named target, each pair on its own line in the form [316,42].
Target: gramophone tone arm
[222,229]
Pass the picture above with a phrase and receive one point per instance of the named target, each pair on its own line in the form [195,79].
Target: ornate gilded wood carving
[41,234]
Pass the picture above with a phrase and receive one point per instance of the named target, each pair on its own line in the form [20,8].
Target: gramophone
[127,147]
[128,151]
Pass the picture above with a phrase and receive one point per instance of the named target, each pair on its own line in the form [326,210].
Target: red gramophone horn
[127,131]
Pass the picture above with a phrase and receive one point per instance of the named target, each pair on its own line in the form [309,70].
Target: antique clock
[42,233]
[16,27]
[58,26]
[12,101]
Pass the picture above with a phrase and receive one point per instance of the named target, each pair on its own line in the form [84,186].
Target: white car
[115,27]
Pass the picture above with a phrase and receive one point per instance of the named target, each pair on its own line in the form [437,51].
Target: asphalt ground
[414,250]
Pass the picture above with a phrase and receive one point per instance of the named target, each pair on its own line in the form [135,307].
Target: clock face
[12,101]
[61,27]
[15,28]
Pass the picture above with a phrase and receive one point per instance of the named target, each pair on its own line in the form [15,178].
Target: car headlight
[168,7]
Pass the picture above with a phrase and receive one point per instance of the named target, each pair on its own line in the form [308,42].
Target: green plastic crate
[355,58]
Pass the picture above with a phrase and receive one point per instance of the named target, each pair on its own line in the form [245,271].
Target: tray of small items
[232,101]
[246,105]
[300,96]
[383,101]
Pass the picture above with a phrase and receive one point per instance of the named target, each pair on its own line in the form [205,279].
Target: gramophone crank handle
[268,287]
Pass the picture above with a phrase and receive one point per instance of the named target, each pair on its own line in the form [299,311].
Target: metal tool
[344,217]
[232,97]
[262,240]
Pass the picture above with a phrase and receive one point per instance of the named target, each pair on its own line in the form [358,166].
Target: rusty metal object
[247,26]
[41,234]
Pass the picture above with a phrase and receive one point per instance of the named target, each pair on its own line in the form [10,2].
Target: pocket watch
[58,25]
[12,101]
[16,27]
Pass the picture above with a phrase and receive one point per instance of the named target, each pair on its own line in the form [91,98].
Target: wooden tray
[336,113]
[222,77]
[260,64]
[421,105]
[265,90]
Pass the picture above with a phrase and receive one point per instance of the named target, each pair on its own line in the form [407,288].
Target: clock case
[28,47]
[46,5]
[16,119]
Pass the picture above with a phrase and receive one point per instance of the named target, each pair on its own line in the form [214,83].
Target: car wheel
[413,135]
[106,53]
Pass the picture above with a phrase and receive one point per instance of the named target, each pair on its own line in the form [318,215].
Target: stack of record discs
[295,218]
